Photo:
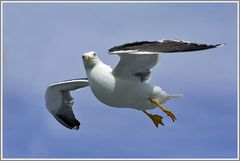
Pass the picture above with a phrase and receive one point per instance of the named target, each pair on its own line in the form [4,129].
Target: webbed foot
[169,113]
[155,118]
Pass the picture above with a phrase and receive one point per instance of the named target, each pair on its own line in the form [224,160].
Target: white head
[90,59]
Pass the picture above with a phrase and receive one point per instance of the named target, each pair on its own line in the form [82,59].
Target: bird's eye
[83,56]
[94,54]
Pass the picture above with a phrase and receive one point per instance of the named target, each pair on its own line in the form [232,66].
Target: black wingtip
[220,45]
[66,122]
[215,46]
[77,124]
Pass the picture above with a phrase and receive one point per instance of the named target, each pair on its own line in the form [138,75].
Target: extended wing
[136,59]
[59,101]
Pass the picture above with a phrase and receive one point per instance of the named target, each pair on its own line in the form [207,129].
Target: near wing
[59,101]
[136,59]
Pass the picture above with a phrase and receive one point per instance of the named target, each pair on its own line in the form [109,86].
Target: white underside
[123,93]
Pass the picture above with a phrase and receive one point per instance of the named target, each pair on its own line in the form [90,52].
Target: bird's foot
[169,113]
[155,118]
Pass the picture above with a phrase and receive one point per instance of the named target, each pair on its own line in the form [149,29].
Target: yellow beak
[88,58]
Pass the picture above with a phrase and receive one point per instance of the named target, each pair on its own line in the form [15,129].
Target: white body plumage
[121,93]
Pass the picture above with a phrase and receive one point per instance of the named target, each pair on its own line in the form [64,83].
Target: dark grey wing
[137,58]
[59,101]
[162,46]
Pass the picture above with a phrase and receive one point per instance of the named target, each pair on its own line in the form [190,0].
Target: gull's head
[90,59]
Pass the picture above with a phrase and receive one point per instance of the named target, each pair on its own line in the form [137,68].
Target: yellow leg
[169,113]
[155,118]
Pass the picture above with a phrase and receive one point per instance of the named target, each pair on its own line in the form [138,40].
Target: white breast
[102,82]
[116,92]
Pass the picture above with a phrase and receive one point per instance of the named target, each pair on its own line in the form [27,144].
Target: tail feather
[174,96]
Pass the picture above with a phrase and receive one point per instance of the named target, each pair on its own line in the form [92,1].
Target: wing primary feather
[139,57]
[59,101]
[66,117]
[162,46]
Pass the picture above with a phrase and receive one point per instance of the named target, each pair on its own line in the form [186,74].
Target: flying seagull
[125,86]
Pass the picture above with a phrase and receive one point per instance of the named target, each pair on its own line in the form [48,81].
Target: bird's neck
[100,66]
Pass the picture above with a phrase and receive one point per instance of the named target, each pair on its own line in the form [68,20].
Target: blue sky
[43,43]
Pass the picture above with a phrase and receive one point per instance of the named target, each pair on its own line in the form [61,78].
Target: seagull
[125,86]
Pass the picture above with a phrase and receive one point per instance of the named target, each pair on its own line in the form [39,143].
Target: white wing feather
[135,66]
[137,58]
[59,101]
